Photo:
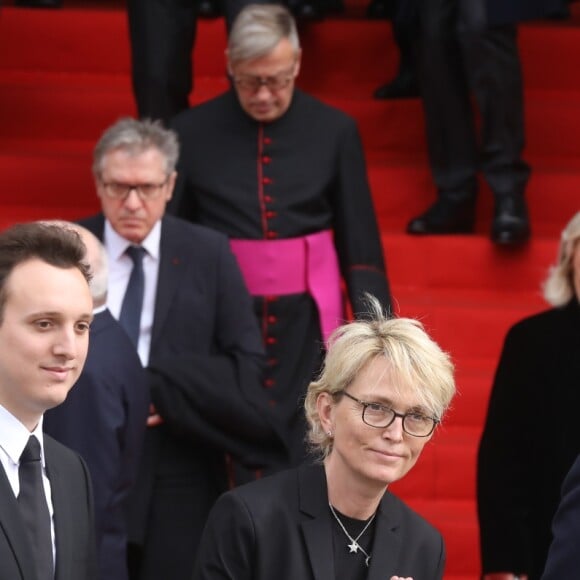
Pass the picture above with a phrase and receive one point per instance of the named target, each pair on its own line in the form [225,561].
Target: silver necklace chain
[354,546]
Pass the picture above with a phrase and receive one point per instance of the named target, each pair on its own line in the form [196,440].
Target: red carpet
[64,78]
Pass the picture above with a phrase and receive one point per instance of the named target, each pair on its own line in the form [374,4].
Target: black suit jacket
[73,520]
[103,419]
[529,441]
[564,557]
[205,370]
[281,527]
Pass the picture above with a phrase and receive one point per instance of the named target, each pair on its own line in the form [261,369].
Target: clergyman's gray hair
[258,29]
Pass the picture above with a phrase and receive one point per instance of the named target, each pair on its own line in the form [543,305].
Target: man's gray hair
[257,30]
[134,137]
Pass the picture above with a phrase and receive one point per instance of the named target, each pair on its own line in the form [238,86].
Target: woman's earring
[330,434]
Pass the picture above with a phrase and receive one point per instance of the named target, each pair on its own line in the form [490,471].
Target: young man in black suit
[103,418]
[197,337]
[46,519]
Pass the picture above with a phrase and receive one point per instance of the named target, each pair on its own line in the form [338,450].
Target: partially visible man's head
[263,58]
[134,169]
[95,257]
[45,313]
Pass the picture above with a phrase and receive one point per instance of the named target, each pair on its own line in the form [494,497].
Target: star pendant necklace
[354,546]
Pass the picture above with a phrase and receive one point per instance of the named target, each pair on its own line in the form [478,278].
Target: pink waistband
[293,265]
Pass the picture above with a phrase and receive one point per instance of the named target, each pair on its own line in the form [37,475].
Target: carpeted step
[350,42]
[467,262]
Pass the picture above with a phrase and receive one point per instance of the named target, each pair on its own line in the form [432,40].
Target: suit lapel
[63,515]
[318,529]
[12,527]
[387,541]
[171,267]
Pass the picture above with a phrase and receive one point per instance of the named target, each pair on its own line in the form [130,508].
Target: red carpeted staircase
[64,78]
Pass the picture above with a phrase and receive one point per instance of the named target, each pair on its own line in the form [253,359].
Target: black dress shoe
[403,86]
[445,217]
[38,3]
[510,225]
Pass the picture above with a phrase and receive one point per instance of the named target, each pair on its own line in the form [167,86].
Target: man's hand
[154,418]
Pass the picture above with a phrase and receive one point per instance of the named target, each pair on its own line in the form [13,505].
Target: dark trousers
[177,485]
[404,36]
[162,36]
[459,56]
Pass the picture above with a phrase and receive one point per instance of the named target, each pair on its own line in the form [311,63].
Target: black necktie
[130,317]
[34,509]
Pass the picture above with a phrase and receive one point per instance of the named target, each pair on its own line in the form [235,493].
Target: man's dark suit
[281,527]
[103,419]
[470,46]
[162,37]
[529,440]
[564,557]
[204,370]
[73,520]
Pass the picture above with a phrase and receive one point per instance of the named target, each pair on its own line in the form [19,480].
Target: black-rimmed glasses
[274,83]
[145,191]
[381,417]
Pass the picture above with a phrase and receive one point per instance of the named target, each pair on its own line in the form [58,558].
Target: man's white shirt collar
[117,245]
[14,436]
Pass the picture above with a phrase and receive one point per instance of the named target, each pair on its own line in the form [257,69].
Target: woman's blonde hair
[416,363]
[559,285]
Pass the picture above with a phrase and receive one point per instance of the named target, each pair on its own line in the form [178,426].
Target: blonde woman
[382,393]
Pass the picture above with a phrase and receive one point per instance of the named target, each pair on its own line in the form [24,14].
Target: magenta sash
[293,265]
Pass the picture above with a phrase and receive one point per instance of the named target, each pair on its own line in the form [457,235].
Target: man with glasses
[178,292]
[283,175]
